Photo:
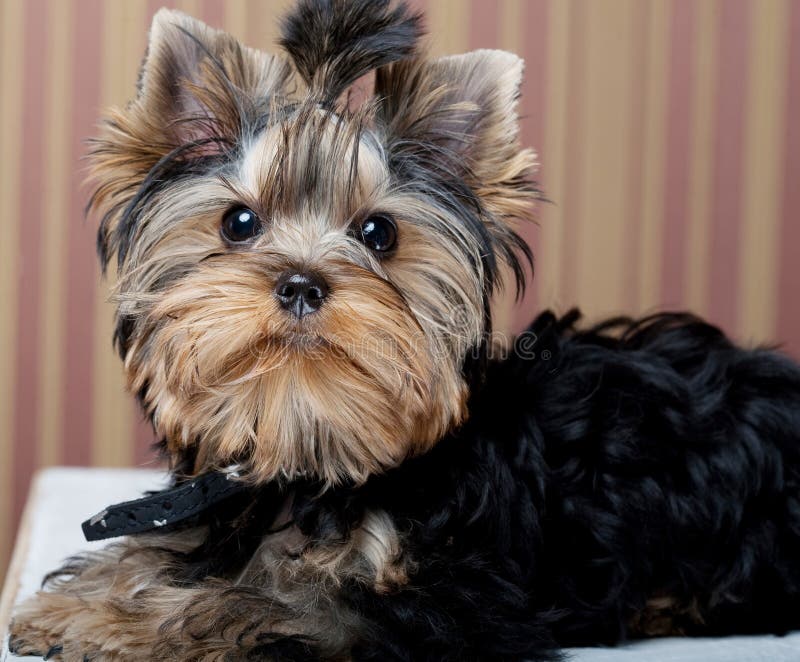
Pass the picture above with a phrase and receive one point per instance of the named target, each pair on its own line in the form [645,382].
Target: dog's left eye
[378,232]
[240,224]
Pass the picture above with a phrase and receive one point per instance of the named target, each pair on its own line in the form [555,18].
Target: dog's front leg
[105,604]
[124,604]
[211,622]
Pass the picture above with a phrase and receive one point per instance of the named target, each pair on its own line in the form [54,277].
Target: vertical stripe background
[665,129]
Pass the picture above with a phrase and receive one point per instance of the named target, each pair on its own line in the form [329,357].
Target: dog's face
[300,283]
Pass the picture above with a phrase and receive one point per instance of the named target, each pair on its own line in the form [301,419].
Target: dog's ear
[457,116]
[459,113]
[194,75]
[200,93]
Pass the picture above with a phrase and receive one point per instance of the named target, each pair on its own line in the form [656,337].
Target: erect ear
[197,81]
[200,92]
[458,114]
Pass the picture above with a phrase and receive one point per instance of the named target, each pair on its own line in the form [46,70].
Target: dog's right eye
[240,224]
[378,232]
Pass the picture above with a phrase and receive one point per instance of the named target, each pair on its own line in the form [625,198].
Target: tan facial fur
[375,375]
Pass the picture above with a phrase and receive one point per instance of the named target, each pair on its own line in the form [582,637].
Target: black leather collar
[164,508]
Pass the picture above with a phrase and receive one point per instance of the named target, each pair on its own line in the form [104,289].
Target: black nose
[301,293]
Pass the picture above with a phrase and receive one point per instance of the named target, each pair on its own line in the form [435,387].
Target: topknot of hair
[335,42]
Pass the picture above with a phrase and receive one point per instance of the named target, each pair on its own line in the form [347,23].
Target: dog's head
[300,282]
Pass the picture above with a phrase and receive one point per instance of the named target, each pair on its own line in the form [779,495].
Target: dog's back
[672,457]
[636,479]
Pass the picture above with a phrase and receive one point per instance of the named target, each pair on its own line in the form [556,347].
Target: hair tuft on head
[335,42]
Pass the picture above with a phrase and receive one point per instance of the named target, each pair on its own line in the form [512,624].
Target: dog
[303,307]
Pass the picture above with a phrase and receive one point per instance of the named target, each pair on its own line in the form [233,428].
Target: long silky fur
[411,496]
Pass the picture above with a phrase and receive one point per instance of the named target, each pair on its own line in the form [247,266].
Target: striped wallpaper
[670,147]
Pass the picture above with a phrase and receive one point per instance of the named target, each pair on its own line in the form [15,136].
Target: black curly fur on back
[604,469]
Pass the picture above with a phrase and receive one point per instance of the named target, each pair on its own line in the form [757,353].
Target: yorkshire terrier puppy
[303,294]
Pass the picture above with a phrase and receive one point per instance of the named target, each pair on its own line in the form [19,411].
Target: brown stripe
[647,283]
[598,250]
[260,15]
[511,25]
[676,181]
[764,137]
[533,104]
[81,272]
[726,215]
[701,165]
[788,329]
[235,21]
[154,5]
[12,78]
[212,12]
[555,184]
[191,7]
[29,247]
[635,172]
[448,26]
[484,23]
[55,192]
[124,39]
[572,204]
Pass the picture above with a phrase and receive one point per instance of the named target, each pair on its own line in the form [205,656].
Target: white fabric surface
[64,497]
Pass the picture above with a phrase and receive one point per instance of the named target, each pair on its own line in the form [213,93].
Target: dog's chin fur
[409,497]
[350,391]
